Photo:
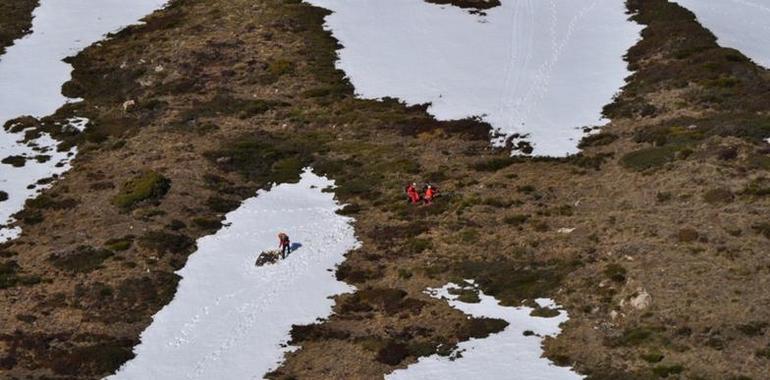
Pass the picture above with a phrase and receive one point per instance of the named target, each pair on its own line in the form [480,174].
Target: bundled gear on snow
[268,257]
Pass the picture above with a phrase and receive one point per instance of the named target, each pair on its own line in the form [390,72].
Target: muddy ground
[655,239]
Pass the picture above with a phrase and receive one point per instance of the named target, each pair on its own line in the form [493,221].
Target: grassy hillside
[669,203]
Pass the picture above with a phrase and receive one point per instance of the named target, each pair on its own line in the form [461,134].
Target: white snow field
[739,24]
[31,76]
[230,318]
[539,67]
[505,355]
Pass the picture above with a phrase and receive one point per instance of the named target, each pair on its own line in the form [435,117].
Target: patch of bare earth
[654,238]
[15,21]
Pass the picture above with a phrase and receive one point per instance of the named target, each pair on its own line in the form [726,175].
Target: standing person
[430,193]
[412,194]
[284,245]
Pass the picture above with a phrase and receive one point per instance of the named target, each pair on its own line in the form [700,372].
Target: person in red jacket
[412,194]
[430,193]
[284,245]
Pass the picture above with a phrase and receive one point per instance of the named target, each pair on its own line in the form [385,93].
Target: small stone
[641,301]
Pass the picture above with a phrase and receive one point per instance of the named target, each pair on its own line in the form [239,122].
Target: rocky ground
[654,239]
[15,21]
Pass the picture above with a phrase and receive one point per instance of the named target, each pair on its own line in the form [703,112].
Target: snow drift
[539,68]
[229,318]
[739,24]
[509,354]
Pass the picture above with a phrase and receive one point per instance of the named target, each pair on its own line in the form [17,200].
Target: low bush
[119,244]
[165,242]
[719,195]
[389,300]
[762,229]
[615,272]
[598,139]
[147,187]
[666,370]
[480,328]
[516,220]
[467,295]
[82,259]
[649,158]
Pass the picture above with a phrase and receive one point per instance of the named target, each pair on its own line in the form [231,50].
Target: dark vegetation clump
[762,229]
[10,276]
[759,187]
[649,158]
[227,105]
[634,336]
[166,242]
[392,353]
[687,235]
[97,360]
[495,164]
[615,272]
[467,295]
[471,4]
[15,161]
[148,187]
[82,259]
[119,244]
[718,196]
[315,332]
[511,281]
[599,139]
[388,300]
[265,158]
[481,328]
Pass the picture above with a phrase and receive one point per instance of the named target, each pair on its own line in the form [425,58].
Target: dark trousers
[285,250]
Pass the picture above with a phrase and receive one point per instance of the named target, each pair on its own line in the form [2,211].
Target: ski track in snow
[739,24]
[542,68]
[229,317]
[504,355]
[31,75]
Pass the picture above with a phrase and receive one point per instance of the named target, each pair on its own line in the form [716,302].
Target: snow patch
[739,24]
[508,354]
[543,68]
[230,318]
[31,75]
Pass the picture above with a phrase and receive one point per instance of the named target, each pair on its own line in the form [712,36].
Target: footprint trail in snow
[229,317]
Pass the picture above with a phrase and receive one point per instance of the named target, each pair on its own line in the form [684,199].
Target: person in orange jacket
[412,194]
[430,193]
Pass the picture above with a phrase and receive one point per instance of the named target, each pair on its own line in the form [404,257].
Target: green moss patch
[649,158]
[147,187]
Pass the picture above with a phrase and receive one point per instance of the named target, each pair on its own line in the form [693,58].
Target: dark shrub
[393,353]
[720,195]
[615,272]
[164,242]
[82,259]
[149,186]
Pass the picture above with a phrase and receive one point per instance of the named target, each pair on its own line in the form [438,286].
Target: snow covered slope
[229,318]
[739,24]
[544,68]
[506,355]
[31,76]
